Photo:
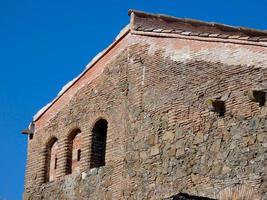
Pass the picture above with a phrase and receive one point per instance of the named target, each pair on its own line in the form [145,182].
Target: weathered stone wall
[93,184]
[162,139]
[175,144]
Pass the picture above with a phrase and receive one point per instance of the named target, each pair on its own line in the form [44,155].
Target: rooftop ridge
[160,23]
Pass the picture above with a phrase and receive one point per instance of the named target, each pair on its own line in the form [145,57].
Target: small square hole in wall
[30,136]
[217,106]
[256,96]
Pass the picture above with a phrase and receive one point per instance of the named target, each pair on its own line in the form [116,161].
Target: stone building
[172,109]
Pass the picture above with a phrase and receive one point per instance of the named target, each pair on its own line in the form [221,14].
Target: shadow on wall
[234,192]
[184,196]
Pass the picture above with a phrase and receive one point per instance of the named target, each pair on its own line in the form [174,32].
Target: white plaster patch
[229,54]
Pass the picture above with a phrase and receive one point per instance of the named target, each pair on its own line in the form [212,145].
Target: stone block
[215,147]
[151,139]
[172,152]
[155,150]
[199,138]
[168,136]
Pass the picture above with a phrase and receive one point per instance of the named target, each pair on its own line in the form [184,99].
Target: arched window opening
[52,161]
[98,148]
[75,151]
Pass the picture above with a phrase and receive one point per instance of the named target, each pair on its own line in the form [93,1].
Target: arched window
[52,159]
[98,148]
[75,151]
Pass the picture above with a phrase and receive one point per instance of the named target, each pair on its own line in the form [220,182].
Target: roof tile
[244,38]
[204,35]
[158,30]
[254,39]
[195,34]
[167,31]
[148,29]
[177,31]
[223,36]
[185,33]
[234,36]
[214,35]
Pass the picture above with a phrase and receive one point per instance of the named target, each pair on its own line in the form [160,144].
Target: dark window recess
[55,163]
[98,148]
[79,154]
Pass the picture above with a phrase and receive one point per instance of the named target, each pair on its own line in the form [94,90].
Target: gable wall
[162,139]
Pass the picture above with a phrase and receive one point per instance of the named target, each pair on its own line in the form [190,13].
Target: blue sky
[44,44]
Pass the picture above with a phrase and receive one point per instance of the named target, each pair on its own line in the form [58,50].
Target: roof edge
[131,28]
[221,26]
[95,59]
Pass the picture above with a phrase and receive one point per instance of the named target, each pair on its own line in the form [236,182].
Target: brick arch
[98,142]
[100,116]
[73,132]
[49,142]
[51,160]
[74,151]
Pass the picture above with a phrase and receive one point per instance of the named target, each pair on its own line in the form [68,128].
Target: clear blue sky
[44,44]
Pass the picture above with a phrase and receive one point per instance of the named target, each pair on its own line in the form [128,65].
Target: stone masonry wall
[162,139]
[175,143]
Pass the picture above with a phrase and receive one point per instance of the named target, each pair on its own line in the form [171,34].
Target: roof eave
[197,22]
[98,57]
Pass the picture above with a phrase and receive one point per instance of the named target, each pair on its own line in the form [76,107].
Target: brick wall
[161,137]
